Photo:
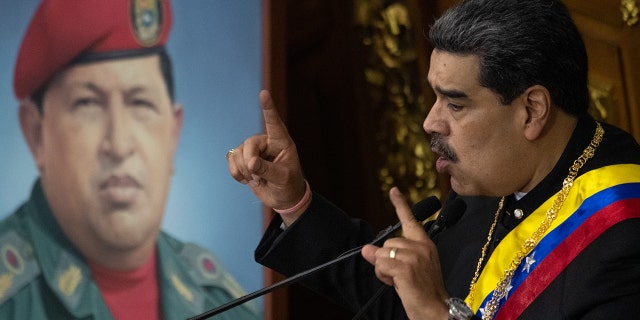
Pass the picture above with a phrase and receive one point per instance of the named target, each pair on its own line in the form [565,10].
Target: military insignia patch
[207,265]
[181,288]
[18,267]
[6,281]
[146,21]
[69,280]
[12,259]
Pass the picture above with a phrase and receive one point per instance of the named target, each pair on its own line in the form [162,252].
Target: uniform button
[518,213]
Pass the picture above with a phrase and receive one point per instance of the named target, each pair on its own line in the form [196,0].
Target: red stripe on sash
[564,253]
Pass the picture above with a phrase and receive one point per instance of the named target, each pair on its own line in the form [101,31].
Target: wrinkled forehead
[144,69]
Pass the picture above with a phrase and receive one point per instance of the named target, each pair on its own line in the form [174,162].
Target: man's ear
[537,102]
[178,116]
[31,125]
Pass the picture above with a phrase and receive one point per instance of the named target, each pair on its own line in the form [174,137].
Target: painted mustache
[440,147]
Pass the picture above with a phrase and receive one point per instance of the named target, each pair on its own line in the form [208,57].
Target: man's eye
[455,107]
[86,102]
[143,103]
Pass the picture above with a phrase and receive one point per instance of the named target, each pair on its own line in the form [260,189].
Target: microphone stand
[383,234]
[272,287]
[421,209]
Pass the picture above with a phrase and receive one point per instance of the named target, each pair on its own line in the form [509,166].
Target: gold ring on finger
[229,153]
[392,253]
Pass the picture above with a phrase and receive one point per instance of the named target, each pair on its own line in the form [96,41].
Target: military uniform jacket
[601,282]
[42,276]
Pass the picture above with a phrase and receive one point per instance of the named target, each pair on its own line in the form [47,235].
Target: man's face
[109,134]
[478,139]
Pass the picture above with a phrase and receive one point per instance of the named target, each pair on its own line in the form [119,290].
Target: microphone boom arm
[272,287]
[421,210]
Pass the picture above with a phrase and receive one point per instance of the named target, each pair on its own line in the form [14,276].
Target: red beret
[63,30]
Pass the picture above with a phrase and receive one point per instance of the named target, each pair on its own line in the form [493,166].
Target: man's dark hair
[520,43]
[165,68]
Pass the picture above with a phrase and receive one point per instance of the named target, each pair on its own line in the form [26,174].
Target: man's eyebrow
[90,85]
[450,93]
[137,89]
[130,91]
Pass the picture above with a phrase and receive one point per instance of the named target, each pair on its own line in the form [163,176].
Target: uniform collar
[579,140]
[63,268]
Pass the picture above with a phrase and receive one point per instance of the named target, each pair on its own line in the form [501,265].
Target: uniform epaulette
[208,271]
[18,266]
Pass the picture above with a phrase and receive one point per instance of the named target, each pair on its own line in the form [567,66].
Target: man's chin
[462,189]
[125,240]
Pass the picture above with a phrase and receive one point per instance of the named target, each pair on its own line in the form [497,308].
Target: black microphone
[448,217]
[421,210]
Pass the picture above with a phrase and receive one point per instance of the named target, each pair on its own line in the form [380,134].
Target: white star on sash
[507,290]
[483,311]
[529,261]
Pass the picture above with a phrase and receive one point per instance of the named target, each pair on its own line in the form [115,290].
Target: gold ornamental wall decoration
[394,89]
[629,10]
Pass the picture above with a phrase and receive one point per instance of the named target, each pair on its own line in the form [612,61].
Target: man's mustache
[440,147]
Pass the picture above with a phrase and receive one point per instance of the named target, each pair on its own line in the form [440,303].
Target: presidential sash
[598,200]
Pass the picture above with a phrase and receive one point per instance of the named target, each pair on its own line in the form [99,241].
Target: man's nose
[118,140]
[433,122]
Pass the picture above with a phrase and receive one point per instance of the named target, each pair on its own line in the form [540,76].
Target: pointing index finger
[274,126]
[411,229]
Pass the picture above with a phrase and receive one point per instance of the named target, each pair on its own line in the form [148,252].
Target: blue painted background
[215,47]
